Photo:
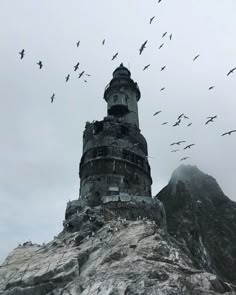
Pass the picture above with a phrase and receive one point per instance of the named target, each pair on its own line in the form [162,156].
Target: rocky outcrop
[122,246]
[121,258]
[202,219]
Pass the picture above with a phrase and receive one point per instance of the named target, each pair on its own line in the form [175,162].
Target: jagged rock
[202,219]
[107,263]
[125,253]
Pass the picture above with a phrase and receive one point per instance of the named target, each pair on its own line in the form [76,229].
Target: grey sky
[41,143]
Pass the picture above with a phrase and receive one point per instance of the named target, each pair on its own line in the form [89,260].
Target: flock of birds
[210,119]
[67,78]
[182,116]
[177,123]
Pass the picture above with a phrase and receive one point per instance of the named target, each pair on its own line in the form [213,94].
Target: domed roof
[121,71]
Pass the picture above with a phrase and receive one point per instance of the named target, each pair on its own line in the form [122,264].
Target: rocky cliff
[95,256]
[202,219]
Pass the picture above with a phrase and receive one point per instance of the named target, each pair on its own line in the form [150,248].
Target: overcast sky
[41,143]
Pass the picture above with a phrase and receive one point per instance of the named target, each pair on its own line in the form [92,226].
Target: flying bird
[22,53]
[197,56]
[156,113]
[114,56]
[67,77]
[40,64]
[189,146]
[142,47]
[81,74]
[174,151]
[229,132]
[146,67]
[78,43]
[210,119]
[162,69]
[178,142]
[164,34]
[231,71]
[85,81]
[88,75]
[189,124]
[151,19]
[52,97]
[161,45]
[210,88]
[186,117]
[185,158]
[171,36]
[163,88]
[159,1]
[76,66]
[164,123]
[103,41]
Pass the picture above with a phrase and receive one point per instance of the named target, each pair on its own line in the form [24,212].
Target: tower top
[121,71]
[121,78]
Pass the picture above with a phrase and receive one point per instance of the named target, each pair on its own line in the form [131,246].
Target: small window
[115,98]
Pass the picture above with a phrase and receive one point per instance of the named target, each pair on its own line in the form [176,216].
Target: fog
[41,142]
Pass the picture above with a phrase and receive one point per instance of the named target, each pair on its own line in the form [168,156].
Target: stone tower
[114,164]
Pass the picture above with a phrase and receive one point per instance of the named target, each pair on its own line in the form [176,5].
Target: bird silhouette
[210,119]
[88,75]
[103,42]
[164,123]
[142,47]
[164,34]
[185,158]
[229,132]
[189,124]
[156,113]
[161,45]
[231,71]
[76,67]
[197,56]
[40,64]
[52,97]
[114,56]
[189,146]
[174,151]
[171,36]
[210,88]
[85,81]
[22,53]
[159,1]
[146,67]
[81,74]
[163,88]
[151,19]
[186,117]
[78,43]
[67,77]
[162,69]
